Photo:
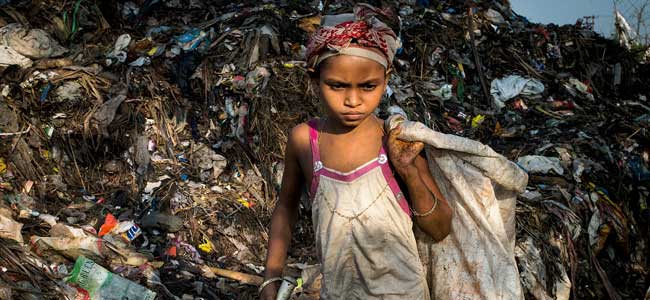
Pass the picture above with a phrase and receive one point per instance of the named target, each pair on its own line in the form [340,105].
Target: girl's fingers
[393,143]
[415,146]
[419,146]
[392,135]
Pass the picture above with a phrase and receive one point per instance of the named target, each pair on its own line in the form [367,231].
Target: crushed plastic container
[97,283]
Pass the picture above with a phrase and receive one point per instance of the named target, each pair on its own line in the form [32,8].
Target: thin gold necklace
[350,218]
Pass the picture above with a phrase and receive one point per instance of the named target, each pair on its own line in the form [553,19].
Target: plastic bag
[10,229]
[476,260]
[32,43]
[509,87]
[9,56]
[541,164]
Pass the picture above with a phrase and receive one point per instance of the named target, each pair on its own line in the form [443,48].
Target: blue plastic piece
[45,92]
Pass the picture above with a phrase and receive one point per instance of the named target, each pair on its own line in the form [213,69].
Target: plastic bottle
[98,283]
[286,288]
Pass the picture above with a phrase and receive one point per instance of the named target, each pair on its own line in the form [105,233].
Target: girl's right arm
[285,214]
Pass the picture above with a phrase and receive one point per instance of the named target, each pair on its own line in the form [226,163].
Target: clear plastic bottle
[100,284]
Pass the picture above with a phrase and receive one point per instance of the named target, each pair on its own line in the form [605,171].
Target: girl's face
[351,88]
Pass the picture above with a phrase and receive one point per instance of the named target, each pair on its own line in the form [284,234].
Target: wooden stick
[74,160]
[239,276]
[477,59]
[16,133]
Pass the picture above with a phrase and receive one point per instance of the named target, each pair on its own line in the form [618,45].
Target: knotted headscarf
[353,34]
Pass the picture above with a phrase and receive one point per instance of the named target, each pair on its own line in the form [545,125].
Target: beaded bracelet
[267,282]
[435,204]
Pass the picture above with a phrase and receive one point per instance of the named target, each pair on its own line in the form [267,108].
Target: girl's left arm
[431,210]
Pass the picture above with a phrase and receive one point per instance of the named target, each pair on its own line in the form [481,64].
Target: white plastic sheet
[624,32]
[10,229]
[541,164]
[118,53]
[9,56]
[509,87]
[32,43]
[476,260]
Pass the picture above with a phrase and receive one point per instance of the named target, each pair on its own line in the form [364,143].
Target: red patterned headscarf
[353,34]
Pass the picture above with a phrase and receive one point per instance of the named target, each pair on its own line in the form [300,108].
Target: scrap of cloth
[354,34]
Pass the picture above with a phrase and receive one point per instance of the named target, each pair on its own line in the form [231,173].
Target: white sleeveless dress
[364,233]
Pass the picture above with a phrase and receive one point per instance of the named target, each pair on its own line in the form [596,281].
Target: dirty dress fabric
[476,260]
[364,234]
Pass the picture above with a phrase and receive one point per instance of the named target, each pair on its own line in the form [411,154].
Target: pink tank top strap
[313,140]
[392,182]
[316,163]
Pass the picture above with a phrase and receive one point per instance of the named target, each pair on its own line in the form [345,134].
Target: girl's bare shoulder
[299,134]
[298,141]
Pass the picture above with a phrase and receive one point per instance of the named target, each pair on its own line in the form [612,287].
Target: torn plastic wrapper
[106,112]
[509,87]
[9,56]
[118,53]
[541,164]
[192,39]
[10,229]
[109,223]
[32,43]
[71,242]
[70,92]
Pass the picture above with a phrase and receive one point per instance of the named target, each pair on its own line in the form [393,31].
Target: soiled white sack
[476,260]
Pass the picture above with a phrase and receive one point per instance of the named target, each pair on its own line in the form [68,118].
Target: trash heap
[144,140]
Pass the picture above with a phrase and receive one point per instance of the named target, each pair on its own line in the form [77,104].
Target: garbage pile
[143,140]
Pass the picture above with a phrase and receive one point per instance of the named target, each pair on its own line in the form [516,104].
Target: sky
[567,12]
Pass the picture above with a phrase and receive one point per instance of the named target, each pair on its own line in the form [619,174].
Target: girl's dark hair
[315,72]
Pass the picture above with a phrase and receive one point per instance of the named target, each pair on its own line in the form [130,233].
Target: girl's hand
[402,154]
[270,291]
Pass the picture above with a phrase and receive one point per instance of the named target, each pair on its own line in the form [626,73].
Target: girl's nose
[352,99]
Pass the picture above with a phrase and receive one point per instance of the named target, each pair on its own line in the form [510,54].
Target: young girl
[362,219]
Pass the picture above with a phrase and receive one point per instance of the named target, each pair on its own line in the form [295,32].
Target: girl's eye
[369,87]
[336,86]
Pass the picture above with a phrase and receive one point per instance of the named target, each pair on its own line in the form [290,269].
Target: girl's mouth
[353,116]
